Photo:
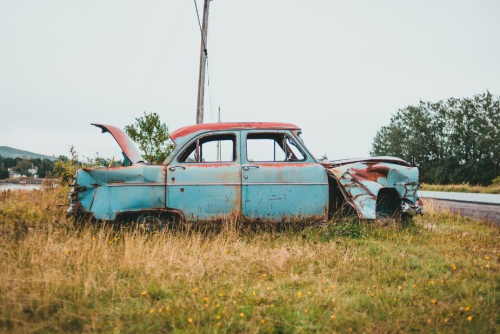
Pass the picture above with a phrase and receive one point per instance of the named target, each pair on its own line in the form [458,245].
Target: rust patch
[372,173]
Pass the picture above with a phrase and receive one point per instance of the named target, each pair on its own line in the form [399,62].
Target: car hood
[126,144]
[368,160]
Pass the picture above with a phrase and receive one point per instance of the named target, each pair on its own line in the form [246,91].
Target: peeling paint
[273,191]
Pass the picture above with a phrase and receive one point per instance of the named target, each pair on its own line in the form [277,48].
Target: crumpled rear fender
[361,183]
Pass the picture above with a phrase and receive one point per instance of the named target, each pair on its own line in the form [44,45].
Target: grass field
[438,274]
[463,188]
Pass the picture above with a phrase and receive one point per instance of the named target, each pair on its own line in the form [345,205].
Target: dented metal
[286,185]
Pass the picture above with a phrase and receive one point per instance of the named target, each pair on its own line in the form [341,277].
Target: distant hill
[9,152]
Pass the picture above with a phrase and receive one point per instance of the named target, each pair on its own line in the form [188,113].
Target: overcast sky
[338,69]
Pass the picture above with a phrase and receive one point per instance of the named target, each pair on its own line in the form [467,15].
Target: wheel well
[337,203]
[166,215]
[388,203]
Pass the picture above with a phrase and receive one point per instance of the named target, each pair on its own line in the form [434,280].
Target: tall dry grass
[439,274]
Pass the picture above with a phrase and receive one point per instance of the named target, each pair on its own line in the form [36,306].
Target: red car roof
[187,130]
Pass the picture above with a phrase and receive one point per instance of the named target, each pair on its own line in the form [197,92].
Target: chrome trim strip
[287,183]
[204,184]
[141,184]
[245,184]
[160,184]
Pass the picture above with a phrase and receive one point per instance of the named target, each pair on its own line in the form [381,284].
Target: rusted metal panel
[205,192]
[362,182]
[288,188]
[126,144]
[106,193]
[283,190]
[183,135]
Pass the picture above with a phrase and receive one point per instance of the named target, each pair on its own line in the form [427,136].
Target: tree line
[44,167]
[452,141]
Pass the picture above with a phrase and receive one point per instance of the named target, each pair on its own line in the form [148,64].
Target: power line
[158,63]
[201,29]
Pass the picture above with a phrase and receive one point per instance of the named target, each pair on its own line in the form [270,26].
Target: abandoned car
[257,171]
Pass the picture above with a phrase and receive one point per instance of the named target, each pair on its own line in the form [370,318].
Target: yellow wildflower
[143,293]
[242,315]
[262,321]
[299,294]
[190,320]
[151,311]
[469,318]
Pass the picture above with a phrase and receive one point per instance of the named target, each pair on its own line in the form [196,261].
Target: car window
[268,147]
[212,148]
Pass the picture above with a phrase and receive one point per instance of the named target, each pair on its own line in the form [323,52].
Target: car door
[280,180]
[204,179]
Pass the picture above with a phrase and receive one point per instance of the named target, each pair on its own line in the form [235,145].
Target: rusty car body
[258,171]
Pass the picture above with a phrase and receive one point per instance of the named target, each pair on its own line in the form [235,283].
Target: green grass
[463,188]
[438,274]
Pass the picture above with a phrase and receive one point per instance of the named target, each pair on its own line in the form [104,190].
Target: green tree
[4,173]
[452,141]
[152,137]
[23,165]
[65,168]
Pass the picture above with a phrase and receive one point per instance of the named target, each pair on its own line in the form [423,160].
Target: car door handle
[174,167]
[248,167]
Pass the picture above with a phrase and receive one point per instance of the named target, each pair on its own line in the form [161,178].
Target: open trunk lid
[126,144]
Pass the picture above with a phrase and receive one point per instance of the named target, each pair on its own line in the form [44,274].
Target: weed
[438,274]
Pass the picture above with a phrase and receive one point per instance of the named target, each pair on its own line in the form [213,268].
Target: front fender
[361,183]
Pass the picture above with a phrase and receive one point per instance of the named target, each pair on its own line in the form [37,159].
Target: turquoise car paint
[256,171]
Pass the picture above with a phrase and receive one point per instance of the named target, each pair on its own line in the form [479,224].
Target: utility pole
[203,64]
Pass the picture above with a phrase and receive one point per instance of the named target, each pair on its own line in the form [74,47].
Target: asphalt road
[477,206]
[461,197]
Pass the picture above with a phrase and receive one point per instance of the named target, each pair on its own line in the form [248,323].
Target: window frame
[287,136]
[196,141]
